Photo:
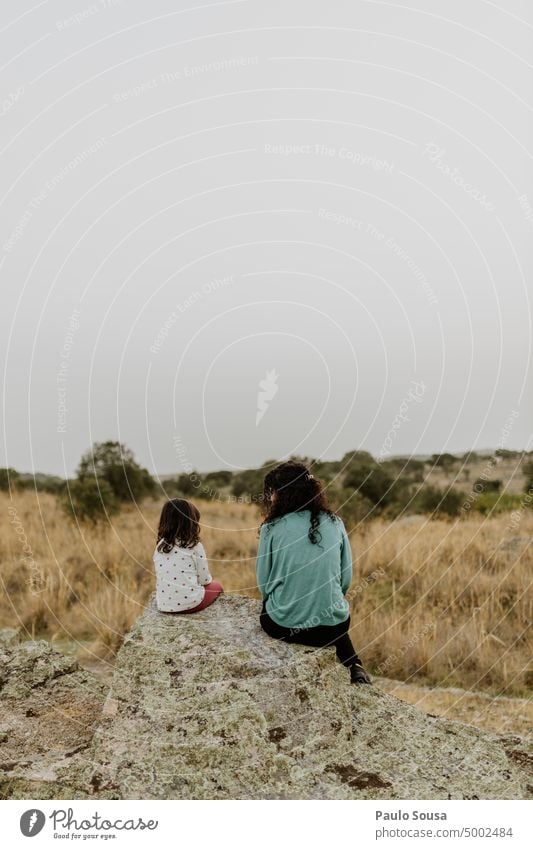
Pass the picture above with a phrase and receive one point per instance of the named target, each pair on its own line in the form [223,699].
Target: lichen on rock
[48,711]
[208,706]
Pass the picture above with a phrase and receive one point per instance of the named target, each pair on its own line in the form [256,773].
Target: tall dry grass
[433,601]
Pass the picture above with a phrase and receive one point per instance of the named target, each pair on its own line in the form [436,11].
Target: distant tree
[354,457]
[481,485]
[300,458]
[413,465]
[107,477]
[408,467]
[325,470]
[527,469]
[239,487]
[54,486]
[352,507]
[11,479]
[248,484]
[8,479]
[218,480]
[43,483]
[444,461]
[185,484]
[373,482]
[115,464]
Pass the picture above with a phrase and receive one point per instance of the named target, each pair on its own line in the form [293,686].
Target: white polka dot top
[180,577]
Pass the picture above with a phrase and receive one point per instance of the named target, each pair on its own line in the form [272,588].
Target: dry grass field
[433,602]
[462,476]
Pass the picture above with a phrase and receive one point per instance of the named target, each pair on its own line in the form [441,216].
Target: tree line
[108,477]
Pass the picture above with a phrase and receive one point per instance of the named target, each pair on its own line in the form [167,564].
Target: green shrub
[527,469]
[429,499]
[352,507]
[248,484]
[217,480]
[373,482]
[182,486]
[42,483]
[491,503]
[90,500]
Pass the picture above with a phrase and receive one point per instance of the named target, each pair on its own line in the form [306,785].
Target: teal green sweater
[303,584]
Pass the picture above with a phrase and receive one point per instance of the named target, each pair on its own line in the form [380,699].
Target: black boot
[358,675]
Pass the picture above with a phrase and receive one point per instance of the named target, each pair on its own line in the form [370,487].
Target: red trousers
[212,592]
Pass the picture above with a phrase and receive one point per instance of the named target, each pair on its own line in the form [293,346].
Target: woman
[304,566]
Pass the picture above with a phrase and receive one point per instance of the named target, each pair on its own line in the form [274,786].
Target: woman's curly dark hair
[295,489]
[179,525]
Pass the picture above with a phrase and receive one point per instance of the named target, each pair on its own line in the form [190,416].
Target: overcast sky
[237,231]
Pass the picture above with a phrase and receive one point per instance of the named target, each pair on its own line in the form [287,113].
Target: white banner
[256,824]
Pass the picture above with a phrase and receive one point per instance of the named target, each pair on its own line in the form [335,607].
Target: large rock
[48,711]
[206,706]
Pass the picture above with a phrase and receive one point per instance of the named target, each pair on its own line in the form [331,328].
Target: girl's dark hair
[179,525]
[296,489]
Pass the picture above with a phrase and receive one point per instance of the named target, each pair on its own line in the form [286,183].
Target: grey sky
[339,193]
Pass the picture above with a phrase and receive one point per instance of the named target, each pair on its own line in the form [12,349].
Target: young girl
[183,582]
[304,566]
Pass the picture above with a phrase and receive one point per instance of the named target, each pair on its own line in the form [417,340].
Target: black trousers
[319,637]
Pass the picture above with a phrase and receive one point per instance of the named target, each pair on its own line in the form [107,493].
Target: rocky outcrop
[504,715]
[206,706]
[49,708]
